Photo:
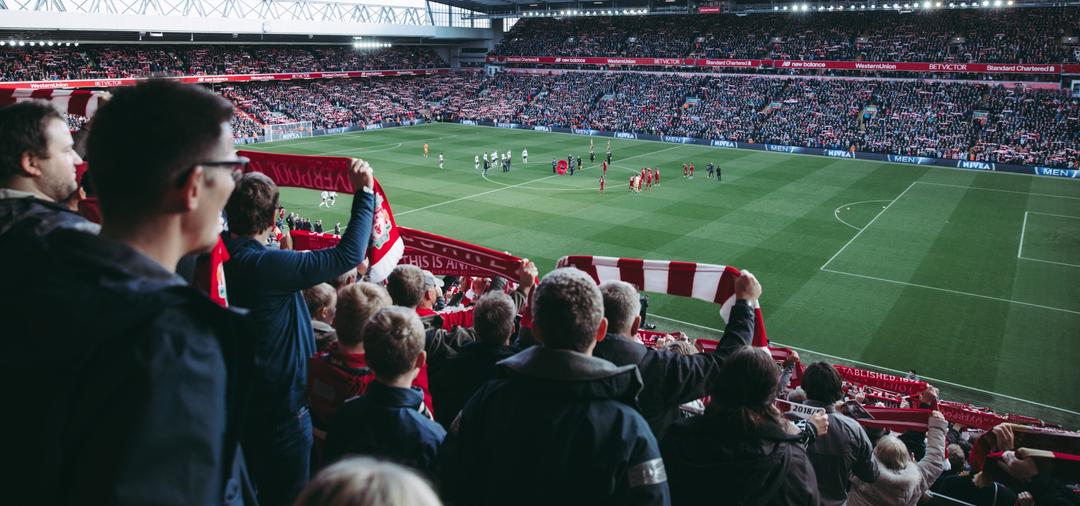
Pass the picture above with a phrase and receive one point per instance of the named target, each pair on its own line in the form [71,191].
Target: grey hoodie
[904,487]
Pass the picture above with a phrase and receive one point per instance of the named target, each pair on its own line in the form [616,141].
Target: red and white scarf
[78,102]
[331,173]
[708,282]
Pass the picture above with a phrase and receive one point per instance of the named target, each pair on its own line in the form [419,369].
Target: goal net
[286,131]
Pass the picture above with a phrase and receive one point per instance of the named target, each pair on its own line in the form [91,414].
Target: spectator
[408,286]
[432,292]
[561,427]
[268,282]
[37,173]
[343,372]
[367,482]
[145,398]
[670,379]
[742,448]
[321,302]
[845,450]
[389,420]
[902,480]
[978,490]
[464,374]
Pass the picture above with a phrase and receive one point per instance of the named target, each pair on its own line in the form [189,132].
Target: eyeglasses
[238,165]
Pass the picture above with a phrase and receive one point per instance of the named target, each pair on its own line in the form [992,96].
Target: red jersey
[336,376]
[648,178]
[601,184]
[685,169]
[691,169]
[657,176]
[605,167]
[631,183]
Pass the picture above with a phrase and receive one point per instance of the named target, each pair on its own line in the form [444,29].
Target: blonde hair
[364,481]
[891,452]
[356,303]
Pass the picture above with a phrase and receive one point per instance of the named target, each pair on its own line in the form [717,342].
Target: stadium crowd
[111,62]
[984,36]
[159,394]
[952,120]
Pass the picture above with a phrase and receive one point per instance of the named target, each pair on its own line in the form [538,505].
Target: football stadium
[393,252]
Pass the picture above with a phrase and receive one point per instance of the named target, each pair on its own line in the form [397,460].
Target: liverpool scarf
[78,102]
[708,282]
[331,173]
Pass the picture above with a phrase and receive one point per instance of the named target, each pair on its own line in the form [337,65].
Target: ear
[421,359]
[635,325]
[190,190]
[28,164]
[601,331]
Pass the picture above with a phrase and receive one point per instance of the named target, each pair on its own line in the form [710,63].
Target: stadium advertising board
[234,78]
[723,144]
[869,66]
[914,160]
[1051,171]
[839,153]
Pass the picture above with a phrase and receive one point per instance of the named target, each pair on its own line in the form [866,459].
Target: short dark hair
[23,124]
[567,309]
[393,338]
[493,318]
[822,383]
[145,137]
[406,285]
[252,205]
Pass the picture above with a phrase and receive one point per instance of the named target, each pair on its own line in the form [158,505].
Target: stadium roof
[503,6]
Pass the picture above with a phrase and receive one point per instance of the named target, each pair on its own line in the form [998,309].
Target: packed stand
[997,36]
[112,62]
[952,120]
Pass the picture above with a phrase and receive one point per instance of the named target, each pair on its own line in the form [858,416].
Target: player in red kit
[631,183]
[601,184]
[658,176]
[648,179]
[604,165]
[691,170]
[638,181]
[685,170]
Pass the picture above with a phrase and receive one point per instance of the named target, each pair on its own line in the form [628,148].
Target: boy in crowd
[388,421]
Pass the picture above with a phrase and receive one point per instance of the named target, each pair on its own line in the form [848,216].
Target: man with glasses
[130,385]
[269,282]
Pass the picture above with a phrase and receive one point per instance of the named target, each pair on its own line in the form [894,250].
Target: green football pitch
[971,278]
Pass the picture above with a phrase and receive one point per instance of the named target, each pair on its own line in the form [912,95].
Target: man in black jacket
[144,395]
[561,428]
[474,365]
[670,379]
[37,174]
[843,451]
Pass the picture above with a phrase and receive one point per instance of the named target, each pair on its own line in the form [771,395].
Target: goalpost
[286,131]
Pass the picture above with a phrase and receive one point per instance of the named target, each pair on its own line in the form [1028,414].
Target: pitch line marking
[883,368]
[836,212]
[1020,251]
[957,292]
[857,234]
[1023,228]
